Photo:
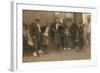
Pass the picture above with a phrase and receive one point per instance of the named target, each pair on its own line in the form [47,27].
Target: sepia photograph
[52,36]
[55,35]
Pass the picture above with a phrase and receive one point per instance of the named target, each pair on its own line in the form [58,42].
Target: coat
[34,31]
[73,32]
[35,34]
[56,33]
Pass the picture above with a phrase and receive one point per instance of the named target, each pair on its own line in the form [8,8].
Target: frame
[17,63]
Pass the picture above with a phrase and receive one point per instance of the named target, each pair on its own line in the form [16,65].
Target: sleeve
[53,27]
[31,29]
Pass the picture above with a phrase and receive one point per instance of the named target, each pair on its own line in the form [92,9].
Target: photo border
[16,51]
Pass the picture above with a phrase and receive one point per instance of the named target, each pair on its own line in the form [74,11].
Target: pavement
[69,54]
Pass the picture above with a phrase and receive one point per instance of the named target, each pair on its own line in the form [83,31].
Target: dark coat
[36,35]
[34,31]
[56,33]
[80,35]
[74,31]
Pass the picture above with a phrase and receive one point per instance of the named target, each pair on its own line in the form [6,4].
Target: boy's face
[57,20]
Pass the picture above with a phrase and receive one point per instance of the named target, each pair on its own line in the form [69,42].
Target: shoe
[40,51]
[69,48]
[35,54]
[64,48]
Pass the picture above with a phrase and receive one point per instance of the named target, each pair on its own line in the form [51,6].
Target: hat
[37,19]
